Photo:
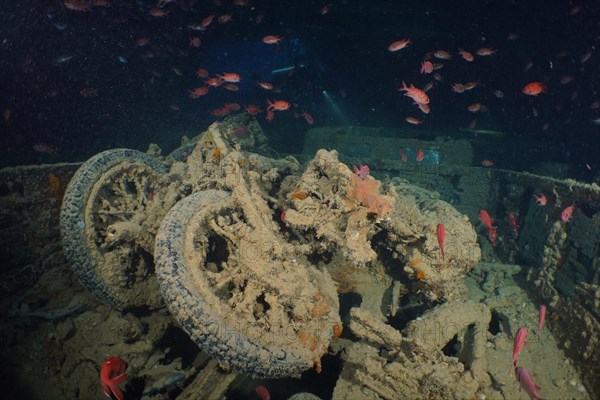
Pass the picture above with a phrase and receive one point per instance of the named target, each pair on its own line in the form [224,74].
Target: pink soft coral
[366,192]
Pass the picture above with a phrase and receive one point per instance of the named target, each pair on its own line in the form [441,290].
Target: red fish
[199,91]
[520,339]
[541,320]
[272,39]
[541,199]
[426,67]
[458,87]
[252,109]
[399,45]
[442,55]
[485,219]
[403,155]
[513,223]
[112,374]
[207,21]
[440,236]
[466,55]
[231,77]
[420,155]
[158,12]
[362,172]
[535,88]
[527,383]
[263,393]
[487,222]
[414,121]
[277,105]
[475,107]
[77,5]
[567,213]
[485,52]
[309,118]
[265,85]
[201,73]
[419,96]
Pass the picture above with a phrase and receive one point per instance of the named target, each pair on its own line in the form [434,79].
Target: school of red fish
[431,62]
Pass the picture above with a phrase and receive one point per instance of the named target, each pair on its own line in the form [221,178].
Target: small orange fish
[252,109]
[309,118]
[485,52]
[567,213]
[198,92]
[458,87]
[535,88]
[230,77]
[488,223]
[265,85]
[223,19]
[420,155]
[399,45]
[271,39]
[541,199]
[485,219]
[158,12]
[440,236]
[263,393]
[207,21]
[231,87]
[442,55]
[471,85]
[77,5]
[466,55]
[512,220]
[487,163]
[414,121]
[277,105]
[214,82]
[201,73]
[403,155]
[419,96]
[475,107]
[426,67]
[195,41]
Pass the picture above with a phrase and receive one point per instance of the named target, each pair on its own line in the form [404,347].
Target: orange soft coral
[366,192]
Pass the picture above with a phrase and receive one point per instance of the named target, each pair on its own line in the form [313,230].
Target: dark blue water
[139,94]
